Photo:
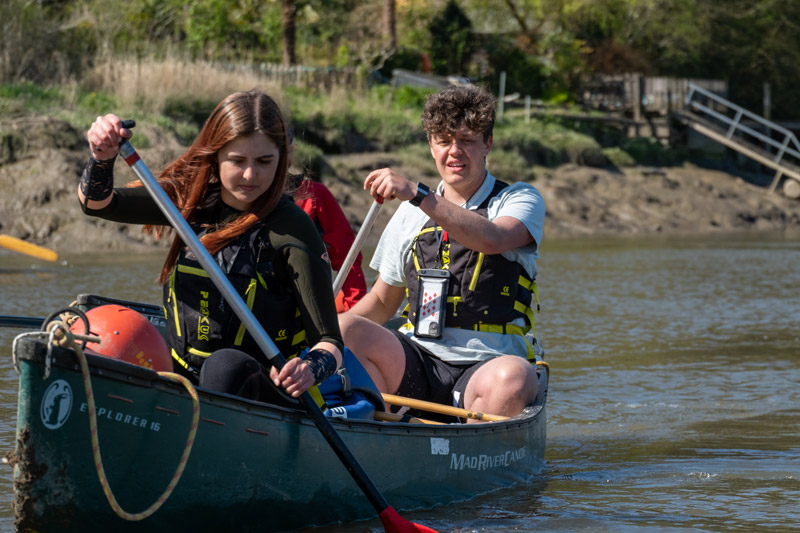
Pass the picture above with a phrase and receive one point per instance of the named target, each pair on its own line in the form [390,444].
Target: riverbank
[39,203]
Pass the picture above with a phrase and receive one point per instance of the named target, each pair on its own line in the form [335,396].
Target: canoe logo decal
[440,446]
[56,404]
[485,462]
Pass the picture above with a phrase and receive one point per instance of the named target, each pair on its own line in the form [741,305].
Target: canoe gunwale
[35,350]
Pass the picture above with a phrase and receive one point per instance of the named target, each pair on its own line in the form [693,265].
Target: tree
[288,32]
[452,41]
[390,24]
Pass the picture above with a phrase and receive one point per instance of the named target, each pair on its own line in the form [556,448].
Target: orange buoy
[126,335]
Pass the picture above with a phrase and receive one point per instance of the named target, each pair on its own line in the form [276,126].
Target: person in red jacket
[319,203]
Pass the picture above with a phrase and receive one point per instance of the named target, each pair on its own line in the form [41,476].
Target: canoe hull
[253,467]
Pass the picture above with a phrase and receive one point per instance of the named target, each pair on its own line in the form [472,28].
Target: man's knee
[508,376]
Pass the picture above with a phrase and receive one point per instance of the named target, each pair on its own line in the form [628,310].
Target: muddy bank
[41,160]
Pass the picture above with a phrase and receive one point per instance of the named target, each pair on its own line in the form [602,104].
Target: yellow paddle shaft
[440,408]
[23,247]
[394,417]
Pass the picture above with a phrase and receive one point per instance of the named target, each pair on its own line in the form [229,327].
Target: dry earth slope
[41,160]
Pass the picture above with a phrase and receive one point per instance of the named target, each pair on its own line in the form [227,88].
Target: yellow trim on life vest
[191,368]
[414,246]
[174,303]
[179,359]
[474,282]
[192,270]
[317,395]
[298,338]
[250,293]
[503,329]
[530,284]
[527,311]
[198,353]
[455,300]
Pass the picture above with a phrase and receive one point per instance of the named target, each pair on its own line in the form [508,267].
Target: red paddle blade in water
[394,523]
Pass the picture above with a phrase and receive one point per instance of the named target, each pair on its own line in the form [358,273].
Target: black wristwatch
[422,192]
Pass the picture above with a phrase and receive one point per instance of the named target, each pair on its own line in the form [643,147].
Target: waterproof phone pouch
[432,299]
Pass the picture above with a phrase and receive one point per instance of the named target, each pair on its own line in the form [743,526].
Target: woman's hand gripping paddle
[392,521]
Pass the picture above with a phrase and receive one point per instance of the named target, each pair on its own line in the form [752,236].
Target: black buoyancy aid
[200,321]
[485,293]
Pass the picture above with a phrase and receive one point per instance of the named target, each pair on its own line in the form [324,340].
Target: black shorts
[429,378]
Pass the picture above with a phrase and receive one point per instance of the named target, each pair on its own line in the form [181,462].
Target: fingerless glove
[97,180]
[322,364]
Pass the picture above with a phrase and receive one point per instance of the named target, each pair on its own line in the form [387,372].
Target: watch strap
[422,192]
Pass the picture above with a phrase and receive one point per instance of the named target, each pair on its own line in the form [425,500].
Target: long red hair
[187,179]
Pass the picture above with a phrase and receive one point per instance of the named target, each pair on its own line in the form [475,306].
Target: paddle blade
[23,247]
[394,523]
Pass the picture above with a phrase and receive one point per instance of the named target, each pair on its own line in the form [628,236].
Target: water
[675,387]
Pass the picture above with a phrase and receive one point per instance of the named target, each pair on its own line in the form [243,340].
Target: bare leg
[377,348]
[503,386]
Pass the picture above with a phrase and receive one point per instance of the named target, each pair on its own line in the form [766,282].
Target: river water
[674,398]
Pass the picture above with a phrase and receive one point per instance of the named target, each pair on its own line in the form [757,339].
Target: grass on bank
[178,95]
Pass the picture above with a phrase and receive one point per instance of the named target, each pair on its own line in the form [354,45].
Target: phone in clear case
[433,284]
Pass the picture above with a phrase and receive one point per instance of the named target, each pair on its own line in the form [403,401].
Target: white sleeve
[394,246]
[523,202]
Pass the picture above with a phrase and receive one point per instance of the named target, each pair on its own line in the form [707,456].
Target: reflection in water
[675,390]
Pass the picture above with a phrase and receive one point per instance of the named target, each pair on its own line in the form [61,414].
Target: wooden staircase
[749,134]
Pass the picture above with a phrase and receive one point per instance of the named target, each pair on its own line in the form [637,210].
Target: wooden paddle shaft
[24,247]
[358,243]
[383,416]
[440,408]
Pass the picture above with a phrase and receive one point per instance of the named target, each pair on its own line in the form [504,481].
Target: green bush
[97,102]
[31,96]
[547,143]
[189,110]
[509,166]
[619,157]
[648,151]
[407,96]
[343,122]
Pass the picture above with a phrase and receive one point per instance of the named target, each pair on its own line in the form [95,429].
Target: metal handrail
[735,124]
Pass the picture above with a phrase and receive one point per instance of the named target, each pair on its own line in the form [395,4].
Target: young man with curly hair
[464,256]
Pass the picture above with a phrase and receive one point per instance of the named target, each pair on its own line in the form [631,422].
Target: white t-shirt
[519,200]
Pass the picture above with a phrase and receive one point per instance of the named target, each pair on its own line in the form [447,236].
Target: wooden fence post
[502,94]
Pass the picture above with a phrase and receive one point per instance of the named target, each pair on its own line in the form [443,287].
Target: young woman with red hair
[230,186]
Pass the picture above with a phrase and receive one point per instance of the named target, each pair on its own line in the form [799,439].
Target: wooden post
[527,109]
[502,94]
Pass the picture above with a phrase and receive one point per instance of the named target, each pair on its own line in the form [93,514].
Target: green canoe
[253,466]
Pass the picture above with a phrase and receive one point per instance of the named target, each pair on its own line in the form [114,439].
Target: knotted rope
[59,333]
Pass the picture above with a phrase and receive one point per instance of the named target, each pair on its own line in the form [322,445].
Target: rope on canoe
[68,340]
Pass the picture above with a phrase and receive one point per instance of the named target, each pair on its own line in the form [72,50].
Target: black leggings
[234,372]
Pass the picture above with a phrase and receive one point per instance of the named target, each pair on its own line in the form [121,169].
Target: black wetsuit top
[288,229]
